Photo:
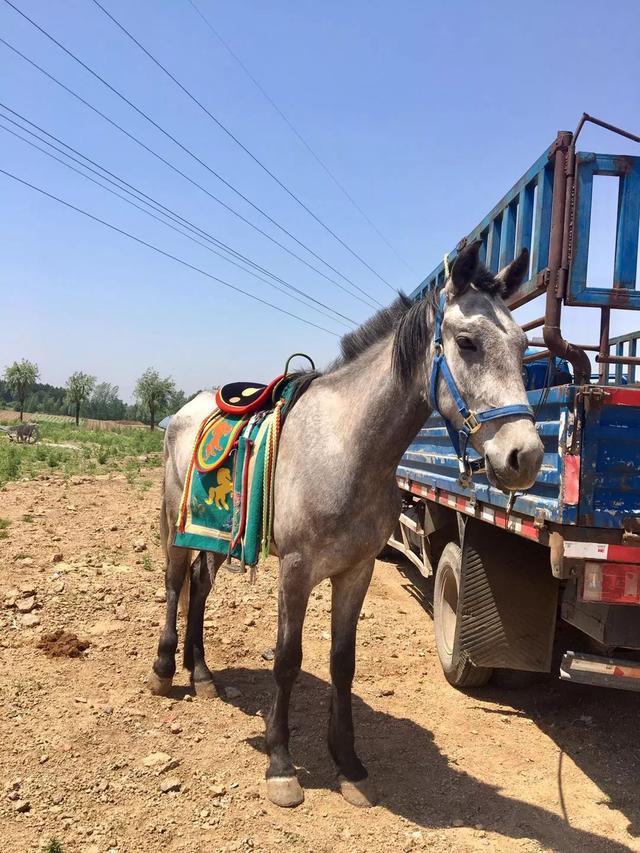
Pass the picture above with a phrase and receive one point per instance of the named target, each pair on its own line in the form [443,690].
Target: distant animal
[23,433]
[336,495]
[219,493]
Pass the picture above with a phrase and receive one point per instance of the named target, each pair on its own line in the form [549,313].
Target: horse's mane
[408,320]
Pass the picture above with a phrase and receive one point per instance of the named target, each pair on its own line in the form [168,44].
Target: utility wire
[249,153]
[184,147]
[300,137]
[162,221]
[164,253]
[178,171]
[158,207]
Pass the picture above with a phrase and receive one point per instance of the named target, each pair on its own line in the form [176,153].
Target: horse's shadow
[594,728]
[415,778]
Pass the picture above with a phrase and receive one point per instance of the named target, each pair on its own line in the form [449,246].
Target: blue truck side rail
[497,598]
[592,445]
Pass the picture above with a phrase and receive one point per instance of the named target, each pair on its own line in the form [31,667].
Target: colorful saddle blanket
[227,501]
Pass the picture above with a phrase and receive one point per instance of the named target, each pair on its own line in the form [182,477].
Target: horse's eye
[466,343]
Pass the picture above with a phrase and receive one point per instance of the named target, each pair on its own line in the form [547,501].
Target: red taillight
[611,583]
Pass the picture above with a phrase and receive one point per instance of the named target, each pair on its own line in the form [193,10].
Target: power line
[178,171]
[249,153]
[187,150]
[164,253]
[301,138]
[157,206]
[158,218]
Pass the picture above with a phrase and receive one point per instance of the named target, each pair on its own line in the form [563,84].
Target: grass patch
[147,563]
[28,518]
[53,846]
[70,450]
[4,528]
[10,464]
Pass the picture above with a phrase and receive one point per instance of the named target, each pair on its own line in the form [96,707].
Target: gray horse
[336,497]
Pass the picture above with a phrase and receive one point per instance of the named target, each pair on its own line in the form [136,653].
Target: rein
[472,421]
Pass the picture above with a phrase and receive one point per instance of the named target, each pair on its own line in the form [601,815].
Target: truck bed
[590,476]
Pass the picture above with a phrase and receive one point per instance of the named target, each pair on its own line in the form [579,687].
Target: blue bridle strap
[471,421]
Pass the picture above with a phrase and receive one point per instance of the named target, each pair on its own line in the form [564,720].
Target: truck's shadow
[594,727]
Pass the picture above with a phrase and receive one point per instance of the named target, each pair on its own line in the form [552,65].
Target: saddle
[243,398]
[227,501]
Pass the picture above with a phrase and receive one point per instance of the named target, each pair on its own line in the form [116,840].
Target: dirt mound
[63,644]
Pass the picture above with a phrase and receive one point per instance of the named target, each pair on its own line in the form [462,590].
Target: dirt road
[86,751]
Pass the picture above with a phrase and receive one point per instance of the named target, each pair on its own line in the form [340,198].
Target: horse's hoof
[159,686]
[205,689]
[284,791]
[362,794]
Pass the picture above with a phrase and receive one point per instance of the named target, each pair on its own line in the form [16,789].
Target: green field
[65,449]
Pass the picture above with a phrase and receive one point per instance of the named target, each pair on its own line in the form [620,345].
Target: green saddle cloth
[227,500]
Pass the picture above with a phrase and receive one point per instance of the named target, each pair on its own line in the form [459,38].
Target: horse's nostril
[513,460]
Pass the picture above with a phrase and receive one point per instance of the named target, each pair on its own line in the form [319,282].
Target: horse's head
[483,347]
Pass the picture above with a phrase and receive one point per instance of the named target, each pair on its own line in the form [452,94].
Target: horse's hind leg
[203,573]
[348,592]
[164,666]
[283,787]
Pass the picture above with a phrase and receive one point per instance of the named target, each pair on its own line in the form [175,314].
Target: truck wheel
[457,671]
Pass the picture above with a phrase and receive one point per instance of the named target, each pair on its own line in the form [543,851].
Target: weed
[53,459]
[131,472]
[9,464]
[28,518]
[4,528]
[53,846]
[147,563]
[103,455]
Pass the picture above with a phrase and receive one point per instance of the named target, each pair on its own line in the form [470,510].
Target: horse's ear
[512,276]
[464,268]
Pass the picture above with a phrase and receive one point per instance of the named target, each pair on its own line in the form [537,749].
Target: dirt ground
[87,751]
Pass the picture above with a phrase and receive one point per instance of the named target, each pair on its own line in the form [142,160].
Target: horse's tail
[165,527]
[183,601]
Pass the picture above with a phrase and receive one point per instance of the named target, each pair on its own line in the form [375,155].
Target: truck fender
[507,602]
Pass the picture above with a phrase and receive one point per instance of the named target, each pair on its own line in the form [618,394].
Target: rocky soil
[89,758]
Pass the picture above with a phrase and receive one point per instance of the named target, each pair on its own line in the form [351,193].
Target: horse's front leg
[348,591]
[283,787]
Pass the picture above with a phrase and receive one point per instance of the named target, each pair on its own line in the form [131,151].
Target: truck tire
[458,672]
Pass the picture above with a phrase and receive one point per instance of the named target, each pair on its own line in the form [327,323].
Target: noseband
[471,421]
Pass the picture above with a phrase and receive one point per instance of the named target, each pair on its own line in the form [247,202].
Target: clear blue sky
[427,112]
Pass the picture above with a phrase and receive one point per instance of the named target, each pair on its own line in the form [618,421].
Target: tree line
[155,396]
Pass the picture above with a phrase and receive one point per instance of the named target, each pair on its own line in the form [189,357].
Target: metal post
[603,369]
[558,246]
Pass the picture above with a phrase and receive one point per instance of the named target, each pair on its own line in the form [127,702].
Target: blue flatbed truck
[510,569]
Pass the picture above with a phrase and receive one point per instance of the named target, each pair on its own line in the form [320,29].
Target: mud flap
[507,600]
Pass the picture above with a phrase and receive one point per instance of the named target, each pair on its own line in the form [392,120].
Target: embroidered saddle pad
[227,501]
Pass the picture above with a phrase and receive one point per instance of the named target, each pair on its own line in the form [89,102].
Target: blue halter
[472,421]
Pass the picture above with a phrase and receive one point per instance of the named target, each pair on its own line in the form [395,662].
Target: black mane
[383,322]
[409,321]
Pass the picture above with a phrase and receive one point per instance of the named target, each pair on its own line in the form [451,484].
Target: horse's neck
[384,414]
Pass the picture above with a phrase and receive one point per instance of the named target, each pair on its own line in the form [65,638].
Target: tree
[79,387]
[152,392]
[20,377]
[105,404]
